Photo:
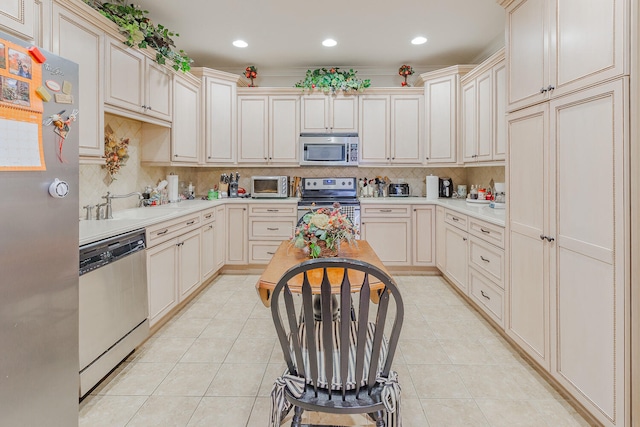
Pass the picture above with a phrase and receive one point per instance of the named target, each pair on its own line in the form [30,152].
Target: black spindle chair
[321,376]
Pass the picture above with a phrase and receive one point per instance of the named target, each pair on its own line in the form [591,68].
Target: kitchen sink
[139,213]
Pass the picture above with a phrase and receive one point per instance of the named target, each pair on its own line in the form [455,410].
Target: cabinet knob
[464,239]
[543,89]
[550,88]
[542,237]
[550,239]
[149,107]
[175,155]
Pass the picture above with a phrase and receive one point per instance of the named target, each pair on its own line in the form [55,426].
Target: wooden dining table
[287,256]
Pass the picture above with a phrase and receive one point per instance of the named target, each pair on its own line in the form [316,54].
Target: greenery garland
[142,32]
[332,80]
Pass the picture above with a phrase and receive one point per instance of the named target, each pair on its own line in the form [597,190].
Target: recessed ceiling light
[240,43]
[329,43]
[419,40]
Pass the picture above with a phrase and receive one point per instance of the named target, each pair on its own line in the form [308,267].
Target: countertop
[131,219]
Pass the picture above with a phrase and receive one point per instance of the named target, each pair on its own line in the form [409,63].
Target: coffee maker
[446,187]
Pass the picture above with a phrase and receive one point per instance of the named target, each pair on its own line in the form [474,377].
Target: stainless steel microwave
[333,149]
[270,187]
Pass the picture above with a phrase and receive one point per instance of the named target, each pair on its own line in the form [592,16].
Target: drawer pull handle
[191,222]
[273,210]
[210,227]
[386,210]
[273,229]
[455,219]
[485,231]
[485,295]
[208,216]
[484,259]
[271,253]
[160,233]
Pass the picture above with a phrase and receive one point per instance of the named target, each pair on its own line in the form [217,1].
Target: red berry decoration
[405,71]
[251,72]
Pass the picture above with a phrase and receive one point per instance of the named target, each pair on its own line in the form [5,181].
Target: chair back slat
[282,334]
[363,323]
[381,318]
[327,327]
[293,325]
[309,327]
[345,330]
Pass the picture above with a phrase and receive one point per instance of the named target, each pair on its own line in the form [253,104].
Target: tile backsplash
[95,181]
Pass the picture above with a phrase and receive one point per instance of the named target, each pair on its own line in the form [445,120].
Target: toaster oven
[274,187]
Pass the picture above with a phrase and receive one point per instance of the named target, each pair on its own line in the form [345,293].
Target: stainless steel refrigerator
[38,237]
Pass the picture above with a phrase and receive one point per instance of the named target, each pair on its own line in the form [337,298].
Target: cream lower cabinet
[209,233]
[439,238]
[236,233]
[387,228]
[456,245]
[82,41]
[220,251]
[424,222]
[173,264]
[569,276]
[269,226]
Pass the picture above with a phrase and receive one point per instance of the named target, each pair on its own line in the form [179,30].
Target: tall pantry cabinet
[568,185]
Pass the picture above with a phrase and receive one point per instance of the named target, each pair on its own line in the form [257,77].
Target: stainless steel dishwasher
[113,309]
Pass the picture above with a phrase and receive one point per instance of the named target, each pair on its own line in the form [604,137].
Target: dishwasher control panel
[98,254]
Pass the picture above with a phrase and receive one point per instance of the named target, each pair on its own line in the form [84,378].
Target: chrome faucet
[108,214]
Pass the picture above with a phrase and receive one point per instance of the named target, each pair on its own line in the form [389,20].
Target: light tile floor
[213,365]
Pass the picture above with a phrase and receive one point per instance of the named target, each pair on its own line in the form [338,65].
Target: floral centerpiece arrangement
[251,72]
[321,232]
[332,80]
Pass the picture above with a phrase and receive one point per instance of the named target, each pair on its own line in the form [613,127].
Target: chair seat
[336,382]
[350,405]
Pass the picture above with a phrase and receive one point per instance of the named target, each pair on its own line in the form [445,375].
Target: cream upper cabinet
[483,111]
[268,129]
[391,128]
[185,131]
[219,90]
[558,46]
[135,83]
[82,41]
[329,113]
[441,92]
[17,17]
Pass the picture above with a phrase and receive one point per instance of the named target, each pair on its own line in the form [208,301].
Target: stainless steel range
[323,192]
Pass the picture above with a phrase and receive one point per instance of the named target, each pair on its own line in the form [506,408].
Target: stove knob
[344,183]
[315,183]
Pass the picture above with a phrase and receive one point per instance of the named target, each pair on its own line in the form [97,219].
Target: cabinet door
[484,116]
[221,242]
[389,238]
[343,113]
[456,267]
[189,263]
[440,241]
[588,286]
[499,109]
[588,44]
[207,251]
[76,39]
[315,113]
[284,129]
[124,84]
[253,133]
[527,52]
[159,90]
[185,131]
[162,278]
[237,234]
[468,118]
[406,129]
[423,236]
[528,288]
[17,17]
[375,129]
[220,121]
[441,123]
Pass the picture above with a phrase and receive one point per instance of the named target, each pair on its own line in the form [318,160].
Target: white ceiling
[287,34]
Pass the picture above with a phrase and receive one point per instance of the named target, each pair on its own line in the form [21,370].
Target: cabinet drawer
[385,210]
[489,232]
[487,295]
[260,252]
[271,210]
[456,219]
[162,232]
[208,215]
[271,228]
[488,259]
